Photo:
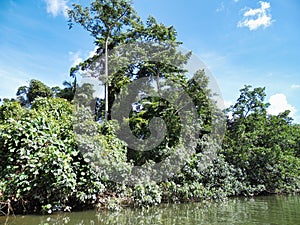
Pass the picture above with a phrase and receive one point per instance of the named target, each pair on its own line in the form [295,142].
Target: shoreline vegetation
[46,149]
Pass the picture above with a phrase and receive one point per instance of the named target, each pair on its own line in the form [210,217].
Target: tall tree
[107,21]
[146,50]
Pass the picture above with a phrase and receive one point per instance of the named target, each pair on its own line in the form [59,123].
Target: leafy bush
[145,195]
[100,146]
[40,163]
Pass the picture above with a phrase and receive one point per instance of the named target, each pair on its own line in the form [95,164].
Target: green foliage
[261,144]
[40,163]
[67,92]
[58,156]
[103,18]
[10,109]
[145,195]
[100,146]
[140,126]
[36,88]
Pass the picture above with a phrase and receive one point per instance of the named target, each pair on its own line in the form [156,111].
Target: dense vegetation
[43,165]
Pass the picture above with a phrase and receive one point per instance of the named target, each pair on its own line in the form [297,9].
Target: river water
[269,210]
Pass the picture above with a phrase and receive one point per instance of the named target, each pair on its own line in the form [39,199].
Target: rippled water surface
[270,210]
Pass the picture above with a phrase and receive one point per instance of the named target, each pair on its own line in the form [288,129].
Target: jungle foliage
[43,144]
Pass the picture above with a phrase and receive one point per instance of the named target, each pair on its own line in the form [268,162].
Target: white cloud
[78,57]
[75,58]
[93,52]
[56,7]
[278,104]
[259,17]
[227,104]
[236,0]
[295,86]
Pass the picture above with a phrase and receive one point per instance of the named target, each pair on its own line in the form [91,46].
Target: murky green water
[271,210]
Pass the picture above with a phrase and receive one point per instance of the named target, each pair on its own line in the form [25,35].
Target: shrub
[40,163]
[145,195]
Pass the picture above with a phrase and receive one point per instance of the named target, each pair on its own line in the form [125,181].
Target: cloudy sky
[241,42]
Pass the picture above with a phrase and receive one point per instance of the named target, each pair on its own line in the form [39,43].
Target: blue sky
[241,42]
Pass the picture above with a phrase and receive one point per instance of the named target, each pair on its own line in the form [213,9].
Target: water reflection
[271,210]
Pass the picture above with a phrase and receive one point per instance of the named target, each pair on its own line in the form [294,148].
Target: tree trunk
[106,78]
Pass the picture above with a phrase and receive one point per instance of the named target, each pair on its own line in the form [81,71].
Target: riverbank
[259,210]
[115,202]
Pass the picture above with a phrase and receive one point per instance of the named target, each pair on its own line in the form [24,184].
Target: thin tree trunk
[106,78]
